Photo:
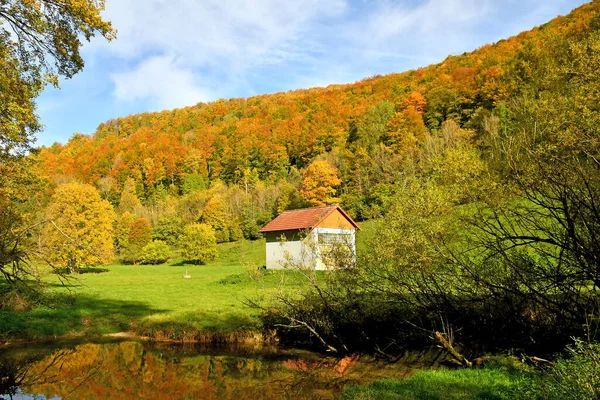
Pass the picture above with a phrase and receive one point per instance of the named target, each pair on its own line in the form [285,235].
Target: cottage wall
[286,247]
[347,238]
[336,220]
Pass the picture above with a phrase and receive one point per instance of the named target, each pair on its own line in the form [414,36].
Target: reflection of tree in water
[326,378]
[28,370]
[132,369]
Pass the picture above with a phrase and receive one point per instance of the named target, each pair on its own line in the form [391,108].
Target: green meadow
[155,300]
[144,298]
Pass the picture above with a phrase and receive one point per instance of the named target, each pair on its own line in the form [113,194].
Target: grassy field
[157,300]
[493,383]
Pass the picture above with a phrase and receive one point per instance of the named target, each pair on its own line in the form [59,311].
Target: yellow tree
[319,184]
[213,214]
[129,201]
[122,227]
[80,228]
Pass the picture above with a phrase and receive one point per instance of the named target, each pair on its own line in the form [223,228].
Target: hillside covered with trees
[234,164]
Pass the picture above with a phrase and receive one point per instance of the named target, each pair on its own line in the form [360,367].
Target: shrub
[577,377]
[14,301]
[157,252]
[198,243]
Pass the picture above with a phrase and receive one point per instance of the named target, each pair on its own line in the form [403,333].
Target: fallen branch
[448,346]
[311,329]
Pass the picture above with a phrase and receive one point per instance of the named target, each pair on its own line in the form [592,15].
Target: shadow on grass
[184,263]
[63,314]
[85,270]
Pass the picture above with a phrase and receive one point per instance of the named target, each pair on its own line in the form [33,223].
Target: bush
[198,243]
[15,301]
[157,252]
[577,377]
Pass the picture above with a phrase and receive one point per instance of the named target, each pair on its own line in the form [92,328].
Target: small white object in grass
[187,276]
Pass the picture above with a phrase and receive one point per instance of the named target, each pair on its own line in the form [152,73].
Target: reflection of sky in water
[23,396]
[132,369]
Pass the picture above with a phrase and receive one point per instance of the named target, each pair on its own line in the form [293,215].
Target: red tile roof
[306,218]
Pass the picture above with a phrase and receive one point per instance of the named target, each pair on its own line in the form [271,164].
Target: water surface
[140,370]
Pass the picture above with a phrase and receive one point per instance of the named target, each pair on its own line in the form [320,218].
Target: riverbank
[496,381]
[573,375]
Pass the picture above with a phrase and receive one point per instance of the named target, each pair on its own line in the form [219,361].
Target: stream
[131,369]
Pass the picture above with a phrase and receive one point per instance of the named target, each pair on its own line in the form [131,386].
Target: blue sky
[175,53]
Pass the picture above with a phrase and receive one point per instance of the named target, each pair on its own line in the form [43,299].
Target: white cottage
[309,237]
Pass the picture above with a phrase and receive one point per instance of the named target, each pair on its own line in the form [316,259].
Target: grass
[146,298]
[156,300]
[491,383]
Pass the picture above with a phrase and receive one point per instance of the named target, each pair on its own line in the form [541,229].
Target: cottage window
[332,238]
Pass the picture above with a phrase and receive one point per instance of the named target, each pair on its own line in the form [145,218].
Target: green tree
[373,128]
[193,183]
[198,243]
[168,228]
[39,41]
[156,252]
[80,231]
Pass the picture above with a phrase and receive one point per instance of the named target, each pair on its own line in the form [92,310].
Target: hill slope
[365,129]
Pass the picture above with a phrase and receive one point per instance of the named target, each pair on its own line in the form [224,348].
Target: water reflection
[138,370]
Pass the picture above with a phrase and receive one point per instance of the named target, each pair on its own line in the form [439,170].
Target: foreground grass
[489,383]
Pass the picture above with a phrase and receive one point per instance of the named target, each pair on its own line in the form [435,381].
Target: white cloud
[162,80]
[432,28]
[215,40]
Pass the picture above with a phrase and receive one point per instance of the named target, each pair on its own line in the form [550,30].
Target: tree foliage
[319,184]
[491,238]
[198,243]
[167,228]
[122,228]
[140,234]
[129,201]
[39,41]
[213,214]
[156,252]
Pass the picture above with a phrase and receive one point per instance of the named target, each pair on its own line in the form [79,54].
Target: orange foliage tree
[319,184]
[140,234]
